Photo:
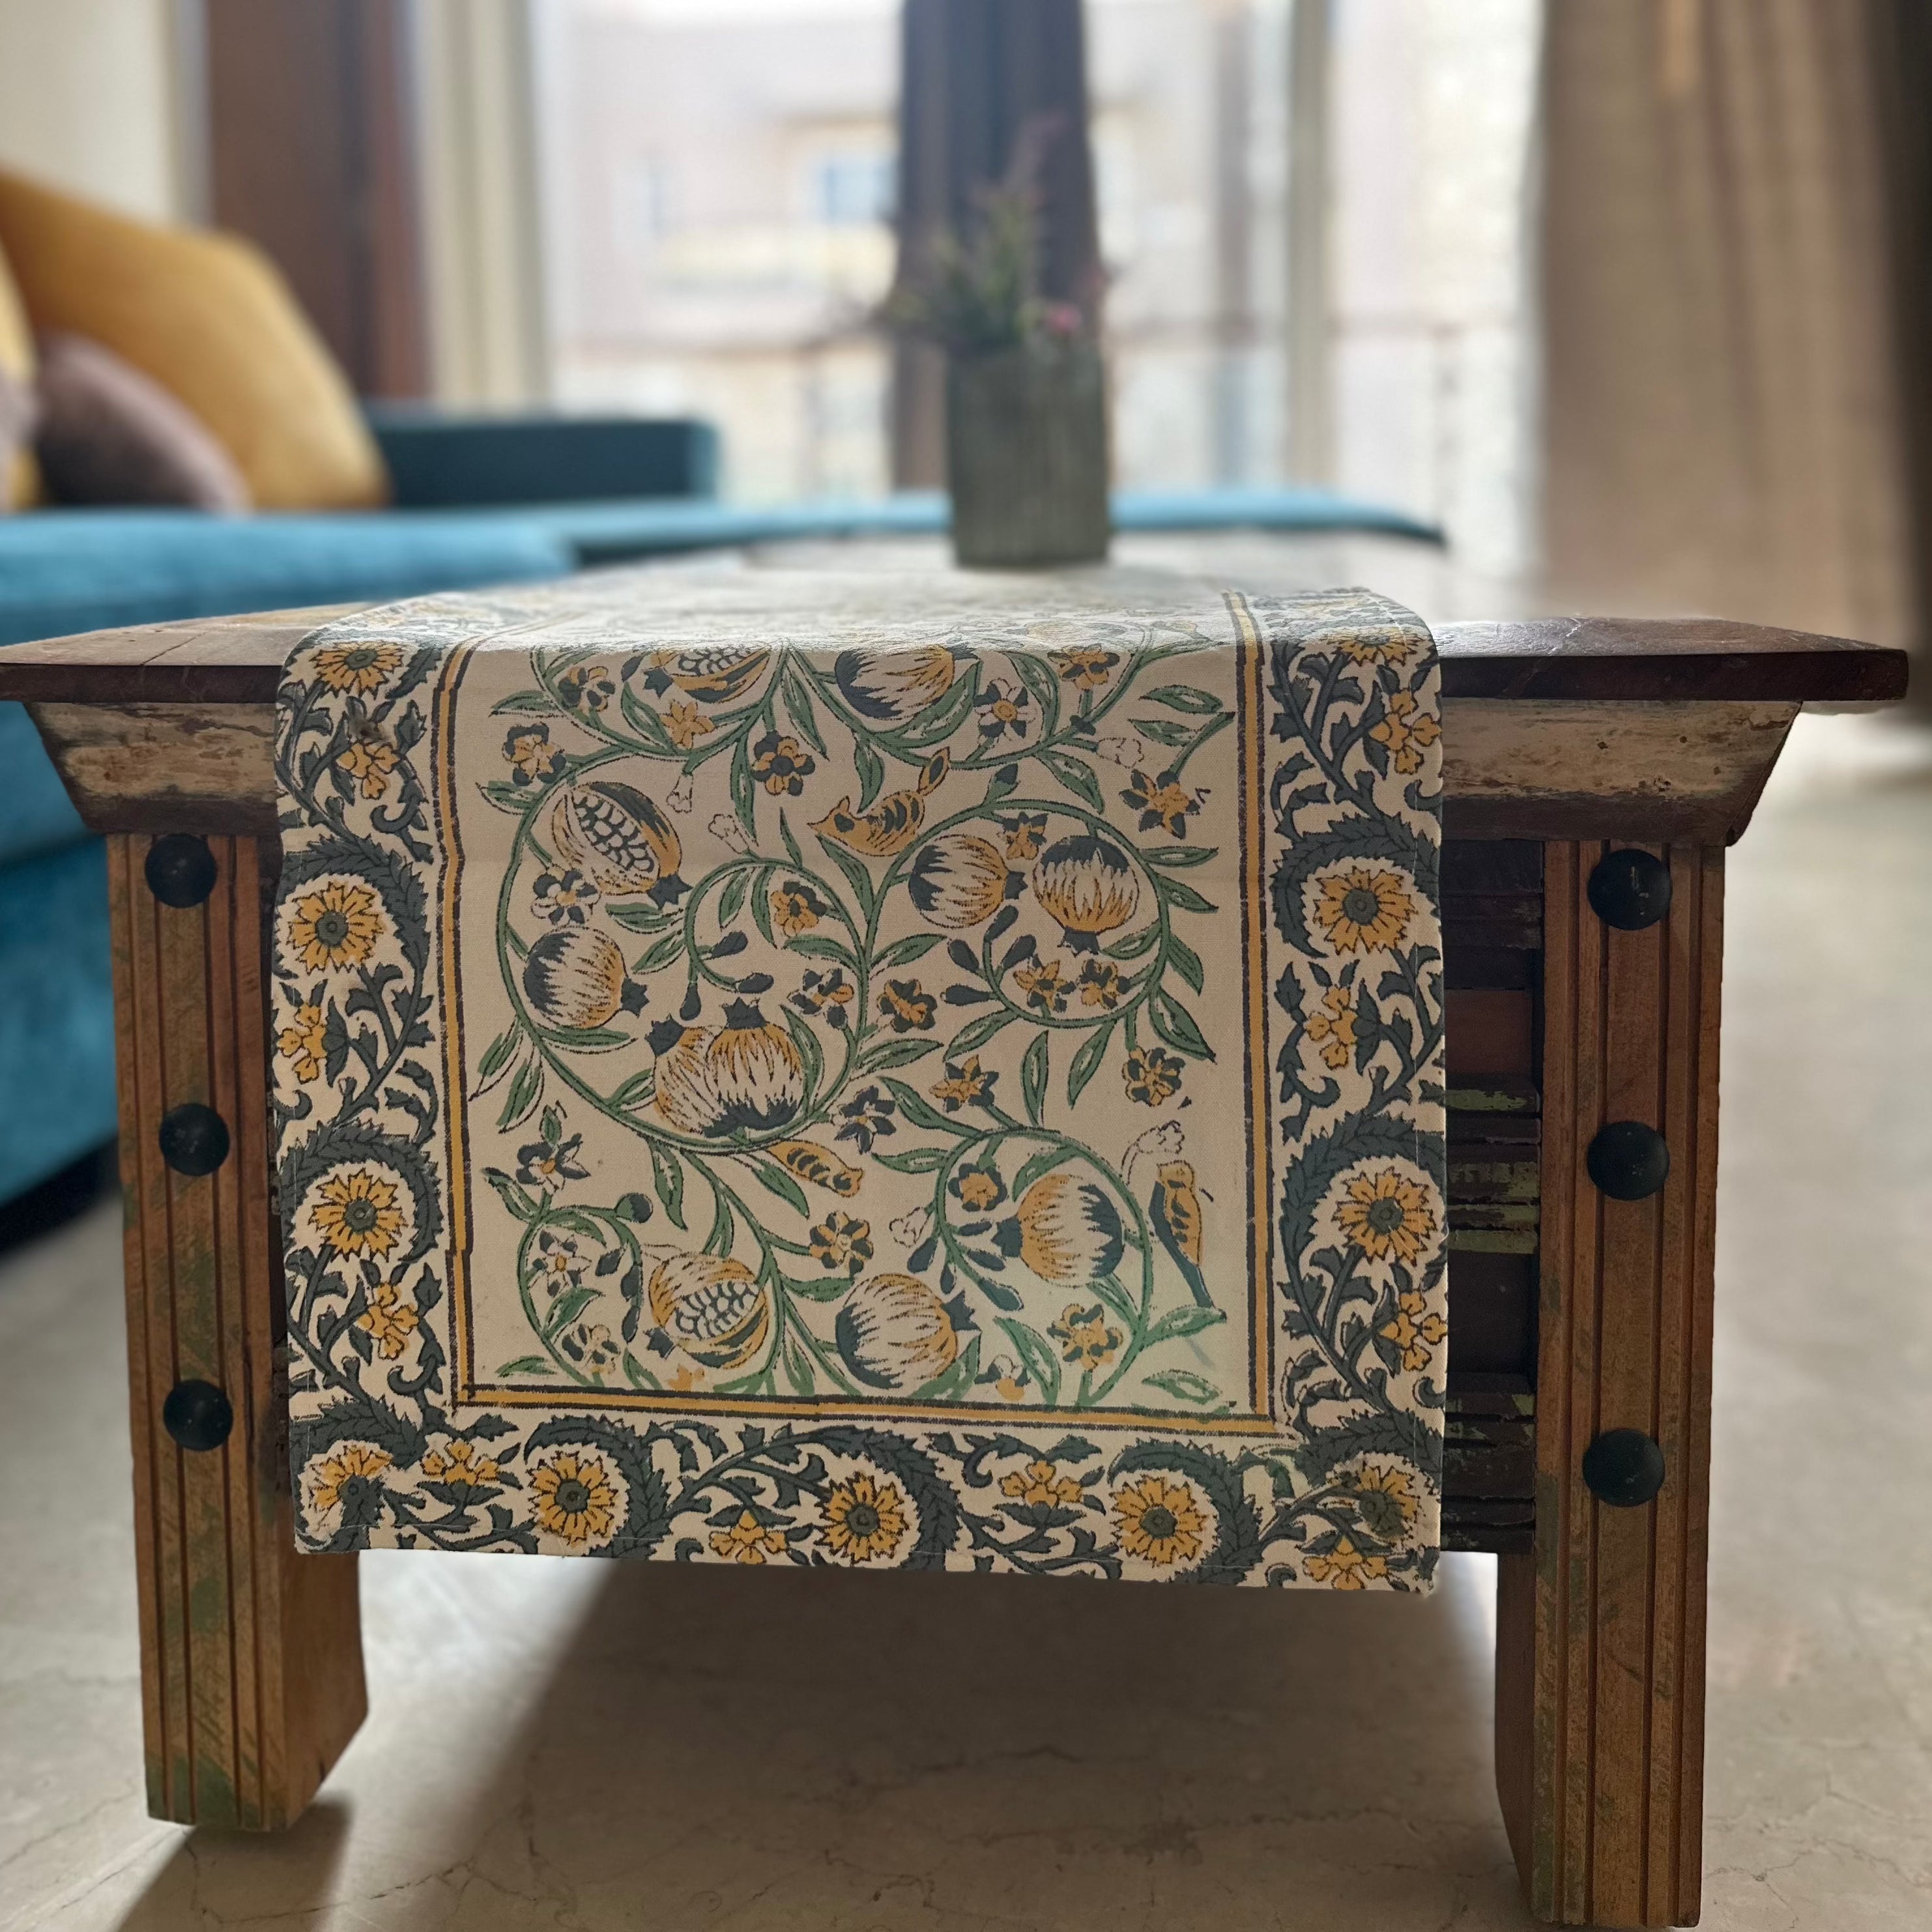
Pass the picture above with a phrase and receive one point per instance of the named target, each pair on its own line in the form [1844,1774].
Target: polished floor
[578,1745]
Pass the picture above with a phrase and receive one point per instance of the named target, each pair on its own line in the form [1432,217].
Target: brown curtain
[311,153]
[976,77]
[1729,369]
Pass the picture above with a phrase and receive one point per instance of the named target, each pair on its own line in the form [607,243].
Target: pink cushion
[108,434]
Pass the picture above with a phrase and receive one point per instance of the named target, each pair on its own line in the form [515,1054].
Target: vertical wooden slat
[1637,1000]
[1583,1312]
[1600,1634]
[189,952]
[251,1657]
[1687,1394]
[130,1048]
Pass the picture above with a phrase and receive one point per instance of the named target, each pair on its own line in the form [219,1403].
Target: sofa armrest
[446,462]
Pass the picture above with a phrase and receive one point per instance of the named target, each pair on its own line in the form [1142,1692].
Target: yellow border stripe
[1250,726]
[1250,657]
[449,845]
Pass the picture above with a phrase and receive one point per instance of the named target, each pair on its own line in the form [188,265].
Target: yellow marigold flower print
[462,1464]
[1101,985]
[360,668]
[1151,1075]
[1086,668]
[783,764]
[335,927]
[1415,1331]
[1046,991]
[356,1214]
[1406,736]
[1345,1567]
[301,1042]
[1332,1027]
[588,686]
[684,724]
[1388,1502]
[747,1540]
[353,1463]
[1364,910]
[1026,834]
[1040,1482]
[1368,648]
[370,762]
[532,756]
[864,1519]
[796,908]
[841,1241]
[389,1320]
[1164,802]
[1084,1336]
[979,1189]
[907,1006]
[1159,1521]
[1386,1213]
[575,1497]
[966,1084]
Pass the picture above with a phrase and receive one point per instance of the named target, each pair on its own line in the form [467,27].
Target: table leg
[251,1660]
[1600,1648]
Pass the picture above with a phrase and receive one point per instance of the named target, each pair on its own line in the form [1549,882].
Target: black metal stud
[1630,890]
[197,1415]
[193,1138]
[181,870]
[1623,1468]
[1628,1161]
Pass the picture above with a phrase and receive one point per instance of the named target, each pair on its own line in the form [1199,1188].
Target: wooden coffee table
[1594,767]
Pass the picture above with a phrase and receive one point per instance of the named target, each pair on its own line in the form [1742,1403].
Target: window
[853,190]
[719,177]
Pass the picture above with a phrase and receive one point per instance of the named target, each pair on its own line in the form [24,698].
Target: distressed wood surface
[1560,769]
[1664,659]
[142,767]
[251,1665]
[234,660]
[238,660]
[1577,727]
[1600,1630]
[1529,769]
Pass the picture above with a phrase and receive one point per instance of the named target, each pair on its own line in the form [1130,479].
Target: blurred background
[1626,299]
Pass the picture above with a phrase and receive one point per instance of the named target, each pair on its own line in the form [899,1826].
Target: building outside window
[718,198]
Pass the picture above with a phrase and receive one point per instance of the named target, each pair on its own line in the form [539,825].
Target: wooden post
[1599,1663]
[251,1658]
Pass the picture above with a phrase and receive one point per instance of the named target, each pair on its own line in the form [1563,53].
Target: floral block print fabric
[962,1092]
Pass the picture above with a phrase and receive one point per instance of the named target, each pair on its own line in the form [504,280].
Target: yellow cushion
[208,318]
[20,485]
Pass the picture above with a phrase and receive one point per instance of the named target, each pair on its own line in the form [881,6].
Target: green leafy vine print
[959,1091]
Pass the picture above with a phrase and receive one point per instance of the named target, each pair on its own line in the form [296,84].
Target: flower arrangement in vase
[1026,406]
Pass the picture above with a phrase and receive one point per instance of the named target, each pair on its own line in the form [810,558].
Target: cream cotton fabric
[822,1083]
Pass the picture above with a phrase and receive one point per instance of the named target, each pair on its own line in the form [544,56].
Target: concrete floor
[589,1746]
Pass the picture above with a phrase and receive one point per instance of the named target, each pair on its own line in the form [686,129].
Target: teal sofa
[477,501]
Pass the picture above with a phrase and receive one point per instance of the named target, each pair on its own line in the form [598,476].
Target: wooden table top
[1643,729]
[238,660]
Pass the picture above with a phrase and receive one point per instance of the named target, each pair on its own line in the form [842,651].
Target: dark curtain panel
[1727,366]
[976,77]
[311,154]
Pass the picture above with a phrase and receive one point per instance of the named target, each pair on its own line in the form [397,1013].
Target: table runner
[960,1089]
